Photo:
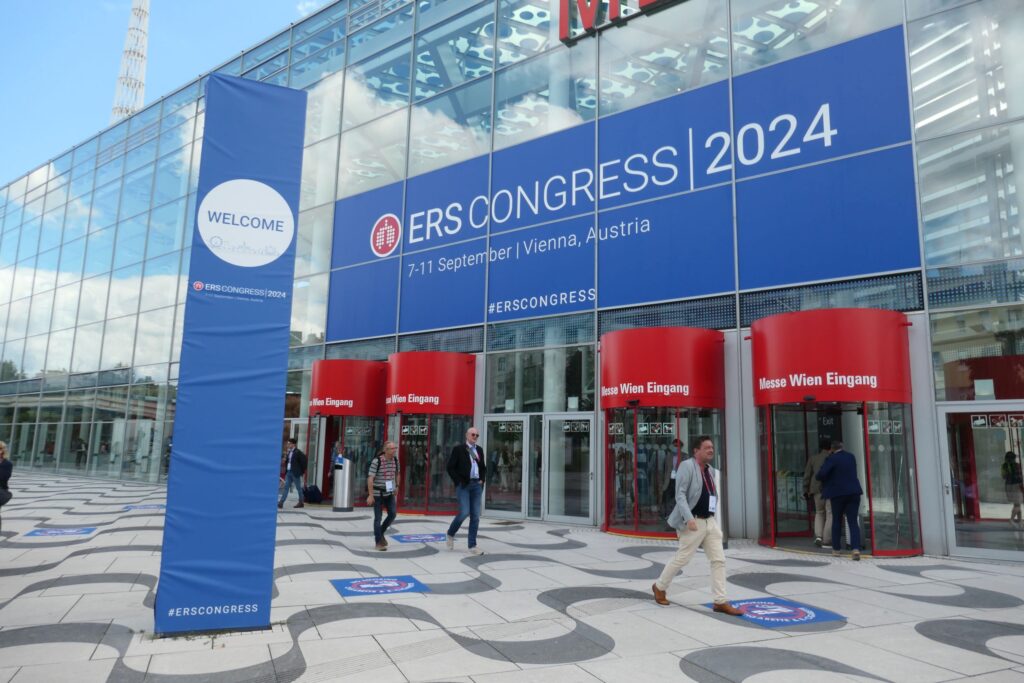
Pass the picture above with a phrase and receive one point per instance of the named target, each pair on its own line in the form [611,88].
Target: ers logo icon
[198,286]
[386,234]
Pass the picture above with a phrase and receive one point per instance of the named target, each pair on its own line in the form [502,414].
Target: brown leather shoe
[726,608]
[659,595]
[299,505]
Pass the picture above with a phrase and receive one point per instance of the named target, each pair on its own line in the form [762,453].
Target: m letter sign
[619,12]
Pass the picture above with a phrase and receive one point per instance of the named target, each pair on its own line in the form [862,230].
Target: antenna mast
[131,82]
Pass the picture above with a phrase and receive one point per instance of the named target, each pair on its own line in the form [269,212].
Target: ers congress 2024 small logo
[386,234]
[198,285]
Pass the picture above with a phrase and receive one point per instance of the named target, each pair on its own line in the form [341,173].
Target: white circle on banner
[246,223]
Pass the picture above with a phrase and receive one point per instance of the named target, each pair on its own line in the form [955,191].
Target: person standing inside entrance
[468,471]
[295,468]
[812,491]
[693,517]
[839,484]
[1014,485]
[381,487]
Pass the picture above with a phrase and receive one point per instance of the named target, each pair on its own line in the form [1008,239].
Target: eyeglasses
[473,434]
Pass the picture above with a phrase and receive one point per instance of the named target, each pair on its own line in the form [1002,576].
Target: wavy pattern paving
[575,600]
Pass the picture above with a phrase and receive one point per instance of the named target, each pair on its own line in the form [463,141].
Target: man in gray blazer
[693,518]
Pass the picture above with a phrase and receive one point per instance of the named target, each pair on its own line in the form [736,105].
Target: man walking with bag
[295,466]
[694,520]
[467,469]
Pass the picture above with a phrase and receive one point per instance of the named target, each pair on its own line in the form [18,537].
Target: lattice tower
[131,82]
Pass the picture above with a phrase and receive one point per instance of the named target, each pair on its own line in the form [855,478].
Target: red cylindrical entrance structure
[836,375]
[660,387]
[346,404]
[429,403]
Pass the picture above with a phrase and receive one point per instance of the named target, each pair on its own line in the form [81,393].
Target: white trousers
[709,536]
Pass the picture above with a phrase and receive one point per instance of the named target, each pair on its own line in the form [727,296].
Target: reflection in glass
[118,342]
[58,353]
[65,306]
[453,127]
[323,108]
[372,155]
[893,486]
[382,34]
[552,380]
[46,271]
[131,241]
[655,59]
[160,283]
[318,66]
[768,31]
[504,446]
[458,50]
[984,482]
[166,228]
[88,341]
[39,318]
[319,172]
[969,200]
[967,66]
[35,356]
[526,28]
[309,310]
[93,303]
[72,257]
[568,467]
[546,94]
[313,245]
[153,341]
[124,291]
[979,355]
[376,86]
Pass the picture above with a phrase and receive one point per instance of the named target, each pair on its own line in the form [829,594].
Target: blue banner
[217,562]
[817,149]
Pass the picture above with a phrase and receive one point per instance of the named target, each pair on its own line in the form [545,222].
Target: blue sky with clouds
[60,60]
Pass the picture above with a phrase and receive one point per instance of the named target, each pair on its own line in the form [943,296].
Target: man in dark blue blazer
[839,484]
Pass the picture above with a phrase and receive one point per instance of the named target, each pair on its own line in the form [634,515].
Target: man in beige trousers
[812,490]
[693,518]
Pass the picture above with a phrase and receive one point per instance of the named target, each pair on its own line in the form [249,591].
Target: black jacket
[298,462]
[459,466]
[6,468]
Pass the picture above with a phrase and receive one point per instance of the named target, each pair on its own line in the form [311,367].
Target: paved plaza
[544,603]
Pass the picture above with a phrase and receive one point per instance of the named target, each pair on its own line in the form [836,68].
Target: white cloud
[307,7]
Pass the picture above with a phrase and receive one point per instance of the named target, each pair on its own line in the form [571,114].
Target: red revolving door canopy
[836,374]
[346,402]
[660,387]
[429,402]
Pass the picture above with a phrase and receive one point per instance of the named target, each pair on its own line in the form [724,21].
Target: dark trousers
[378,508]
[848,507]
[469,506]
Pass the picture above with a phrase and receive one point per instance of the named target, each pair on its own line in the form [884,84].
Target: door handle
[948,489]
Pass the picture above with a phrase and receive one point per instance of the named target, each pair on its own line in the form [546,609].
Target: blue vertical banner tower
[217,564]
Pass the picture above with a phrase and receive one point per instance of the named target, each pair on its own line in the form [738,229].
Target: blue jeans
[469,506]
[378,509]
[289,481]
[849,507]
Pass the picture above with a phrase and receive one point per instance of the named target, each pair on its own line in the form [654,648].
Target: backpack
[312,494]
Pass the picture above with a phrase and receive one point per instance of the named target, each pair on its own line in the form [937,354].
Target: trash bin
[344,476]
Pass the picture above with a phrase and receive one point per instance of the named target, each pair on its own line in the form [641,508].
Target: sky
[60,60]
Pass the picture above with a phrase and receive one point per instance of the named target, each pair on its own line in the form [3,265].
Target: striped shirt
[383,469]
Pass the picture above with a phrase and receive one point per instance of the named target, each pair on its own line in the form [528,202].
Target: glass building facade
[95,243]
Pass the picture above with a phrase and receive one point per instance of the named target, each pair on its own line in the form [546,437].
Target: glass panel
[658,452]
[309,310]
[450,128]
[445,431]
[979,354]
[28,245]
[104,206]
[88,342]
[554,380]
[381,35]
[358,439]
[153,342]
[124,291]
[794,440]
[79,405]
[568,468]
[318,41]
[110,171]
[172,174]
[10,368]
[35,356]
[118,342]
[376,86]
[969,200]
[177,137]
[39,318]
[92,305]
[46,271]
[504,446]
[138,187]
[82,182]
[768,31]
[308,27]
[534,484]
[65,306]
[160,282]
[318,66]
[894,507]
[106,448]
[262,52]
[46,447]
[323,109]
[985,467]
[72,257]
[372,155]
[319,173]
[166,228]
[458,50]
[17,321]
[74,450]
[145,449]
[313,247]
[131,241]
[919,8]
[267,68]
[526,28]
[99,252]
[140,156]
[655,59]
[58,353]
[22,440]
[412,440]
[53,226]
[963,71]
[546,94]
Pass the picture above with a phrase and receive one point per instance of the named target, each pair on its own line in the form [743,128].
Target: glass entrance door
[568,469]
[506,444]
[983,494]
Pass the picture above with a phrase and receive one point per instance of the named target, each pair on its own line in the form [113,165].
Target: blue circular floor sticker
[778,612]
[379,585]
[419,538]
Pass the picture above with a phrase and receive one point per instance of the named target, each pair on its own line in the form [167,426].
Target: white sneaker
[475,550]
[449,542]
